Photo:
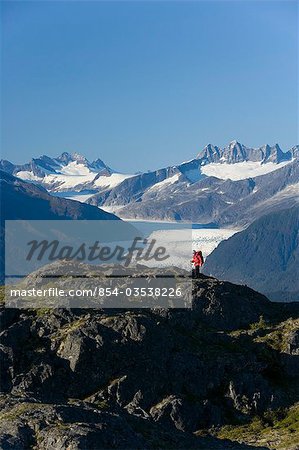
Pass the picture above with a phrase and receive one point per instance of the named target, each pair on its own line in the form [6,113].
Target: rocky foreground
[223,375]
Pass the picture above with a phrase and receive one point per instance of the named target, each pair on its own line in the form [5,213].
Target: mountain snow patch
[240,171]
[165,182]
[75,169]
[26,175]
[111,181]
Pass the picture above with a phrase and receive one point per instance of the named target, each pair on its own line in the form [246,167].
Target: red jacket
[197,259]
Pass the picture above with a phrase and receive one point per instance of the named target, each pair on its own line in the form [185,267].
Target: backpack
[199,253]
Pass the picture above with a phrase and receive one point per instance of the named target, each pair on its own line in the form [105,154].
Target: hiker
[198,261]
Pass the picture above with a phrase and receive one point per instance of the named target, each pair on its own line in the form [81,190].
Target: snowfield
[111,181]
[75,169]
[76,174]
[166,182]
[75,196]
[26,175]
[242,170]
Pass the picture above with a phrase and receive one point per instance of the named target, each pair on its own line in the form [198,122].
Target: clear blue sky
[146,84]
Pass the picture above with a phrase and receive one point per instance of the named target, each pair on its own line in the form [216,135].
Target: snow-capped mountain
[68,174]
[199,189]
[224,202]
[212,187]
[236,161]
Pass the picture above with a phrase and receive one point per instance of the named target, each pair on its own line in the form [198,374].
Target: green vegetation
[274,336]
[2,295]
[18,410]
[277,430]
[260,325]
[277,338]
[40,312]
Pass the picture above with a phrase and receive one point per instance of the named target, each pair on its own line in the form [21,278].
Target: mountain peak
[98,164]
[277,147]
[233,143]
[236,152]
[208,152]
[78,157]
[67,157]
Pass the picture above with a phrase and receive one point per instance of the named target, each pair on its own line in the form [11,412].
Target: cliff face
[92,379]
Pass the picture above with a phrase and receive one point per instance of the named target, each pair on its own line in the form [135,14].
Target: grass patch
[274,336]
[277,338]
[260,325]
[16,411]
[277,430]
[41,312]
[2,295]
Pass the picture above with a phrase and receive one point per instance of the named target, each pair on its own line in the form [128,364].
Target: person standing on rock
[197,261]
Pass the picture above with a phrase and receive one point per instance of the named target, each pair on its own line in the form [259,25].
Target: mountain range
[226,186]
[65,173]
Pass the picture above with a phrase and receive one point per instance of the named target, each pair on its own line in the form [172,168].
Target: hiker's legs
[197,271]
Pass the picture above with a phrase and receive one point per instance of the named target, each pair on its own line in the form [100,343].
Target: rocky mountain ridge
[150,379]
[236,152]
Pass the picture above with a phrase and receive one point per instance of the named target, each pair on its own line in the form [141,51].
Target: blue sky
[146,84]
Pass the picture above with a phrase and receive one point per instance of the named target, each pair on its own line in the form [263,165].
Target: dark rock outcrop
[103,379]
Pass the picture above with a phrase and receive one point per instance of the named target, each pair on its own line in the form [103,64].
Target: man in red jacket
[198,261]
